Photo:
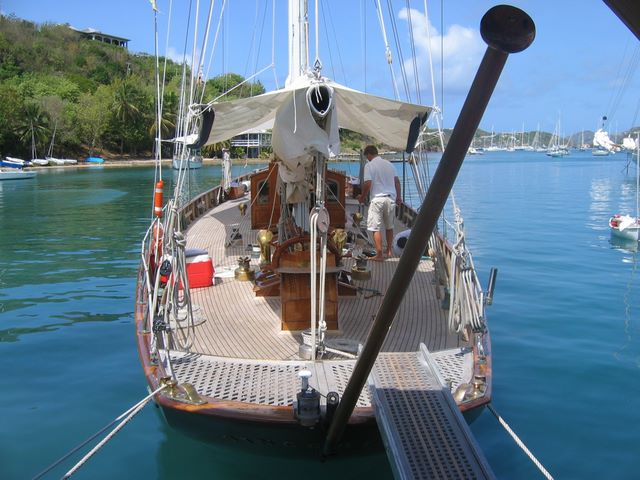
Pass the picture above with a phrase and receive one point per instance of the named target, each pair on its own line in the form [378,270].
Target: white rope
[313,231]
[131,410]
[128,415]
[519,442]
[323,271]
[387,50]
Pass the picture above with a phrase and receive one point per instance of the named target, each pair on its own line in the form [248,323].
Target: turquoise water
[564,324]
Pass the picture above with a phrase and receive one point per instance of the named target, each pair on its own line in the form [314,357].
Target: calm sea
[564,323]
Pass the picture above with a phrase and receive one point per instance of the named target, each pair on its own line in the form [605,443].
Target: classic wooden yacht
[256,303]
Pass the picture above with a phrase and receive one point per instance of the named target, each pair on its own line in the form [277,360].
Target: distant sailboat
[602,144]
[57,161]
[41,162]
[625,226]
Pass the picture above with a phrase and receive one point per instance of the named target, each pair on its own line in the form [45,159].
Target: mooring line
[521,444]
[127,415]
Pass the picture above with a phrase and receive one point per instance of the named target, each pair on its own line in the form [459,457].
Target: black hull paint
[285,440]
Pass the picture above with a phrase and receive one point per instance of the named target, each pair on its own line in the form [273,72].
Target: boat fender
[399,242]
[157,199]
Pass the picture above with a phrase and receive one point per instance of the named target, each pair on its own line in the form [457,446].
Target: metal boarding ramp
[422,428]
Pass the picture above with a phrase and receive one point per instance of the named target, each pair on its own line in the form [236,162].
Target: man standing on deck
[381,181]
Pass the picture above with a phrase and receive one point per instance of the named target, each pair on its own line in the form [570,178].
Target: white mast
[299,40]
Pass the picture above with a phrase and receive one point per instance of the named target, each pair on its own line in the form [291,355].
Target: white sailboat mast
[298,39]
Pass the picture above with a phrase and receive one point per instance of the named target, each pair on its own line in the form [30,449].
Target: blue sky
[579,68]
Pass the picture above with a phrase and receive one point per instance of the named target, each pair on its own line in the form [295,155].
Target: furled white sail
[629,143]
[601,139]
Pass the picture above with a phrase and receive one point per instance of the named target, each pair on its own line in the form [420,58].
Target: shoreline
[147,162]
[139,162]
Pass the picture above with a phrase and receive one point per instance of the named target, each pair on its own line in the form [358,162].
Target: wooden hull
[262,427]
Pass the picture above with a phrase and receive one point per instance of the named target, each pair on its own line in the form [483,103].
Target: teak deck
[238,324]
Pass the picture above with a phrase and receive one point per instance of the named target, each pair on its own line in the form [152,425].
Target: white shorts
[382,210]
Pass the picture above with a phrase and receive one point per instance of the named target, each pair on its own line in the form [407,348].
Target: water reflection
[630,327]
[179,456]
[624,245]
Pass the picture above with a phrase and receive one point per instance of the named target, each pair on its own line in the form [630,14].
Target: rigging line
[255,66]
[333,30]
[363,39]
[326,34]
[387,50]
[181,105]
[213,48]
[414,60]
[99,432]
[166,57]
[628,76]
[238,85]
[635,114]
[396,38]
[252,41]
[192,85]
[273,43]
[205,42]
[613,93]
[442,59]
[317,35]
[158,144]
[437,111]
[161,93]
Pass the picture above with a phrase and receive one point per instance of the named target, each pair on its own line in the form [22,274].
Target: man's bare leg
[389,243]
[377,242]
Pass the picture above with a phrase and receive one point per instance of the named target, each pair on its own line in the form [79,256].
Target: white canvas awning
[383,119]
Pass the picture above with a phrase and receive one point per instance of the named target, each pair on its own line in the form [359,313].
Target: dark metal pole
[506,30]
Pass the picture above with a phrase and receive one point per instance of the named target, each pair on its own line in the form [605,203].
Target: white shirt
[382,176]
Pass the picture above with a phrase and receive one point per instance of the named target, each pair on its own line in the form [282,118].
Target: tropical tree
[33,128]
[93,116]
[229,82]
[10,106]
[128,109]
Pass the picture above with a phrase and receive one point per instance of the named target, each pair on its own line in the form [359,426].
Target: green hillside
[97,98]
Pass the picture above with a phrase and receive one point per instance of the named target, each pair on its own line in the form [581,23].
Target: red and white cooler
[199,268]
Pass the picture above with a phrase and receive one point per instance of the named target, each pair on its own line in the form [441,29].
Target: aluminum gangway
[424,433]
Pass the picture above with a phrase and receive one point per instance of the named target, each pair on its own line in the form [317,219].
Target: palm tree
[167,119]
[33,125]
[125,108]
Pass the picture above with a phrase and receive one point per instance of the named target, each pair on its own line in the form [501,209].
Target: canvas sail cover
[383,119]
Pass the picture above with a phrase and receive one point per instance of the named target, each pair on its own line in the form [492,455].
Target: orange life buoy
[157,199]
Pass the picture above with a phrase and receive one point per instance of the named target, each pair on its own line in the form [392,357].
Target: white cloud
[461,47]
[175,55]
